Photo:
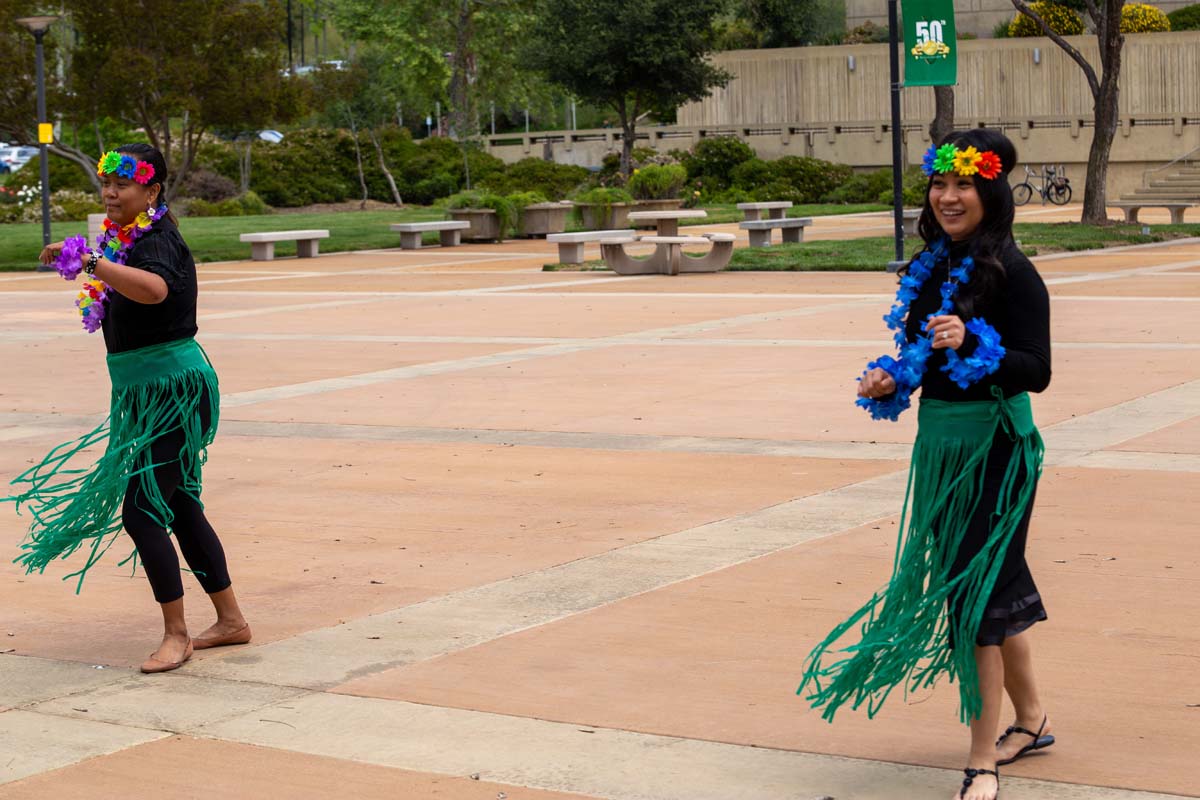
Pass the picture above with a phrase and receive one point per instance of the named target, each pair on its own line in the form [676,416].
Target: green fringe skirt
[908,629]
[156,391]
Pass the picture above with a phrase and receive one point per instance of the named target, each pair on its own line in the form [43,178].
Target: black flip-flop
[1039,742]
[974,773]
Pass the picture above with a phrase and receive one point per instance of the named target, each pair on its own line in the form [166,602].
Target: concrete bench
[912,216]
[791,228]
[262,245]
[1131,209]
[668,257]
[775,209]
[570,245]
[449,231]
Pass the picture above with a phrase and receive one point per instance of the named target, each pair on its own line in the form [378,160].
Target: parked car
[15,157]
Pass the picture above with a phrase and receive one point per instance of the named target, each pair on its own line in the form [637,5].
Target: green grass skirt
[905,628]
[156,391]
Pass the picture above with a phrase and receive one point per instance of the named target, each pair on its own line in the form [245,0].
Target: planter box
[541,219]
[655,205]
[594,218]
[485,225]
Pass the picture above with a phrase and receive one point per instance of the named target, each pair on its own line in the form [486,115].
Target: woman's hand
[50,253]
[876,383]
[946,331]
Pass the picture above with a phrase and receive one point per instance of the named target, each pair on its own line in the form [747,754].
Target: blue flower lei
[908,370]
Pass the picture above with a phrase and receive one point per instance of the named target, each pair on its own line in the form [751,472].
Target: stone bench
[791,228]
[262,245]
[775,209]
[912,216]
[570,245]
[449,232]
[668,257]
[1131,209]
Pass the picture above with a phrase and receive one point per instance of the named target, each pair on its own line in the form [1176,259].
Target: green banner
[930,47]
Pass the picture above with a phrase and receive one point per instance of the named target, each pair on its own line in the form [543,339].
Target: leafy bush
[427,190]
[602,195]
[1062,20]
[812,178]
[75,205]
[751,174]
[555,181]
[1143,18]
[777,190]
[64,174]
[912,194]
[713,160]
[1001,30]
[867,33]
[657,182]
[863,187]
[249,204]
[1186,18]
[210,186]
[506,212]
[521,200]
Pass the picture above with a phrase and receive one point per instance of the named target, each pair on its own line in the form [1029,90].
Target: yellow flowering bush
[1061,20]
[1143,18]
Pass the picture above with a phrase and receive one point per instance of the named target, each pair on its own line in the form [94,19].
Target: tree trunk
[387,173]
[244,168]
[460,79]
[943,114]
[362,178]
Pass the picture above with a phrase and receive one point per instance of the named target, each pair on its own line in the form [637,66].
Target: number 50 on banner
[931,57]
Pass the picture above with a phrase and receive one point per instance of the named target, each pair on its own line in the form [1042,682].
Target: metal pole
[527,120]
[897,140]
[291,63]
[45,150]
[493,119]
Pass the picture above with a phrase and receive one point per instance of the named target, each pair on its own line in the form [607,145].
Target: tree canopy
[633,56]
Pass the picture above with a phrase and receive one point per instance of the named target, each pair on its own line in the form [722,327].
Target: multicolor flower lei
[948,158]
[115,242]
[908,370]
[125,166]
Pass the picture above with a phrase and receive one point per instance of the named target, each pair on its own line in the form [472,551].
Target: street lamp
[37,26]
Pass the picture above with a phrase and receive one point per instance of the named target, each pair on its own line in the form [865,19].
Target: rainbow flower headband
[948,158]
[125,166]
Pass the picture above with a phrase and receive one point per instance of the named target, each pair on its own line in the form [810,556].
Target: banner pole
[897,140]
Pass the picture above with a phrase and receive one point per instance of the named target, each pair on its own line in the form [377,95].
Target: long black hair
[154,157]
[994,234]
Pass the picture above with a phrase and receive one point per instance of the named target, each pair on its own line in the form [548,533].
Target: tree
[454,51]
[943,113]
[152,63]
[633,56]
[1105,88]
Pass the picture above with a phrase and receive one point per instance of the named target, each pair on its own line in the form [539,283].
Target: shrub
[249,204]
[863,187]
[778,190]
[1185,19]
[208,185]
[751,174]
[555,181]
[64,174]
[1143,18]
[424,192]
[1062,20]
[811,177]
[657,182]
[521,200]
[912,194]
[610,165]
[506,212]
[713,160]
[1001,30]
[75,205]
[603,196]
[867,33]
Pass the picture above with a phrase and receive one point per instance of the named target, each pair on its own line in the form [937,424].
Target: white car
[15,157]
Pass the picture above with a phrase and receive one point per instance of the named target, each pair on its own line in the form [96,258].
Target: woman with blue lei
[972,328]
[139,289]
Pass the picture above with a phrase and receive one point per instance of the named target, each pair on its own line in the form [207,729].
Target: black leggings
[197,540]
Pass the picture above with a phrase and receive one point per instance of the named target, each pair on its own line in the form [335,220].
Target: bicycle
[1055,186]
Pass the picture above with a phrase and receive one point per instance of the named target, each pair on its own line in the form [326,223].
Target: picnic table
[667,222]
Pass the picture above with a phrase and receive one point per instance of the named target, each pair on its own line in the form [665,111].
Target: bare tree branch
[1076,56]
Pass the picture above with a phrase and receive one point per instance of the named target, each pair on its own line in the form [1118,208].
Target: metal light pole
[897,133]
[37,26]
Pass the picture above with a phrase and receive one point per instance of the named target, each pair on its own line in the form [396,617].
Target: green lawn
[216,238]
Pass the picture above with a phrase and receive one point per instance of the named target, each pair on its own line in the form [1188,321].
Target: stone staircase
[1178,183]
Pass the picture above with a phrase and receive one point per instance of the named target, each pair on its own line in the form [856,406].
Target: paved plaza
[506,533]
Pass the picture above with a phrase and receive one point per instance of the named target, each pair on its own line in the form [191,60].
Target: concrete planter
[595,218]
[541,219]
[485,225]
[655,205]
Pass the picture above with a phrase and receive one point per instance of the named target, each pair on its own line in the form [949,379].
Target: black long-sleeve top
[129,325]
[1018,308]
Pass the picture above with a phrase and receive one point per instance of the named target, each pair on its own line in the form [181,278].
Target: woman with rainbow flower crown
[140,290]
[972,327]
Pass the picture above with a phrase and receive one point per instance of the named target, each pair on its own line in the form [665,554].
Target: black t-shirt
[1018,308]
[129,325]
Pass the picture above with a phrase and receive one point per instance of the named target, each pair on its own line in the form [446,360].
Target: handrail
[1184,157]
